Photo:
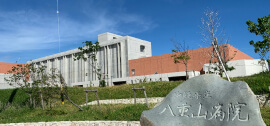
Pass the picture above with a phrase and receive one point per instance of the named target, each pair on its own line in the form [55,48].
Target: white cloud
[24,30]
[33,30]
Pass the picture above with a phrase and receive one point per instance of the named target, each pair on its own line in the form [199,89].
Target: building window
[133,71]
[142,48]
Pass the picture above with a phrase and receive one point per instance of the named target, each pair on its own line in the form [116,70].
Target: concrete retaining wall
[127,101]
[261,99]
[78,123]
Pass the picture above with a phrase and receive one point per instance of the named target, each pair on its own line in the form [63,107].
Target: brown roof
[5,67]
[164,63]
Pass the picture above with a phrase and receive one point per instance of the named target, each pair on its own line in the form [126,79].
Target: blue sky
[28,28]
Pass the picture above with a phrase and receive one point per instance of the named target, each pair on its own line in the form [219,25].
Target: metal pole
[62,96]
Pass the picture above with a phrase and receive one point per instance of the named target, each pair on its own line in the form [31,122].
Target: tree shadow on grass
[10,100]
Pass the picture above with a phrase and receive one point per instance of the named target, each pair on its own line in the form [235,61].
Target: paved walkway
[261,99]
[127,101]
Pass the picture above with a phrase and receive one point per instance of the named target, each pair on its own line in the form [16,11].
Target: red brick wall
[5,67]
[164,63]
[239,55]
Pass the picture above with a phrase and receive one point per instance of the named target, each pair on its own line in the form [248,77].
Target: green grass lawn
[258,83]
[68,112]
[153,89]
[266,115]
[77,94]
[19,112]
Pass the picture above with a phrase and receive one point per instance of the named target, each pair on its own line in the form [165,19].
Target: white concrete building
[3,83]
[242,67]
[112,58]
[119,56]
[173,76]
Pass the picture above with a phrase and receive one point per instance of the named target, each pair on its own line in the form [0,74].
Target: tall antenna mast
[18,59]
[58,25]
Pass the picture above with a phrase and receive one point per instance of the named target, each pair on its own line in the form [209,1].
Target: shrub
[102,83]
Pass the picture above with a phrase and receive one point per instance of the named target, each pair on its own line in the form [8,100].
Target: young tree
[38,80]
[262,28]
[89,51]
[38,84]
[28,78]
[181,55]
[210,28]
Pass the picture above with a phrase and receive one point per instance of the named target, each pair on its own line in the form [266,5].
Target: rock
[206,100]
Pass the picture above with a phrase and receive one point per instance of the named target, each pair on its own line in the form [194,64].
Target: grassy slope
[265,112]
[258,83]
[70,113]
[15,96]
[153,89]
[77,94]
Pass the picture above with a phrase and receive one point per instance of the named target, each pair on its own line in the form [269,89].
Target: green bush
[102,83]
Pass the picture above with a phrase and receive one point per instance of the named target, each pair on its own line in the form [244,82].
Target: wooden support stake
[86,95]
[145,97]
[86,91]
[220,61]
[98,100]
[143,92]
[134,96]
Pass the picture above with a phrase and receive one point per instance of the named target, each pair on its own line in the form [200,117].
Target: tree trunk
[220,70]
[186,72]
[41,98]
[34,102]
[221,61]
[30,99]
[209,67]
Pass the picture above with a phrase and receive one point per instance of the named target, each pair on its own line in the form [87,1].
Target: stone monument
[206,100]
